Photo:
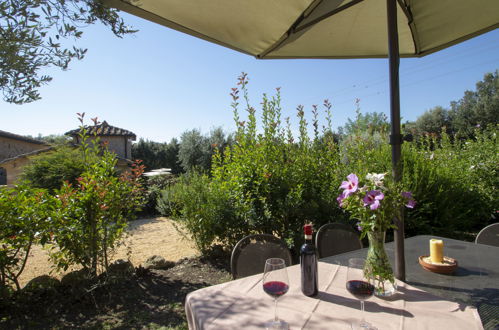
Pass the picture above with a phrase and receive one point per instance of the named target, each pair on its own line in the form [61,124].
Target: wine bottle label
[308,237]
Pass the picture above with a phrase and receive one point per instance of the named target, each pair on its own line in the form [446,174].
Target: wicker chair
[489,235]
[249,254]
[336,238]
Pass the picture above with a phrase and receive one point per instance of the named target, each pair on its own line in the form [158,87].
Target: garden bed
[142,300]
[146,300]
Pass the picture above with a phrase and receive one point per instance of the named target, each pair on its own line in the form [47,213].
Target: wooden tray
[448,267]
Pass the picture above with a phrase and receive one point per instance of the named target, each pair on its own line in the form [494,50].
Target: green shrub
[204,208]
[153,186]
[268,182]
[455,184]
[94,213]
[49,170]
[26,218]
[265,183]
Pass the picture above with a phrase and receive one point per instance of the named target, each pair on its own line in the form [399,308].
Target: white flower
[376,178]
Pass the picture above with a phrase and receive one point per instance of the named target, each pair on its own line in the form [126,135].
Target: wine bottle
[308,263]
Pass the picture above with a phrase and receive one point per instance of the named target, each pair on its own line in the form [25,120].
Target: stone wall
[120,145]
[14,169]
[10,148]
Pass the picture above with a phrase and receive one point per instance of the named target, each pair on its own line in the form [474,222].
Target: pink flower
[411,202]
[373,199]
[340,199]
[351,185]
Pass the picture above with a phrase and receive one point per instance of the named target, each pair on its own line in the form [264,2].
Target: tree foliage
[196,150]
[477,108]
[156,155]
[433,120]
[370,122]
[55,139]
[32,38]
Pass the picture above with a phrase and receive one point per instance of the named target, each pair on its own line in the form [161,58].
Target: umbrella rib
[286,34]
[327,15]
[406,9]
[294,27]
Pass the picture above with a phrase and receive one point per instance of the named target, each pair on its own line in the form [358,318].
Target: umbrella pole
[395,137]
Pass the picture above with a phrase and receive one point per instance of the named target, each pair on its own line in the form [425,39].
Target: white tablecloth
[242,304]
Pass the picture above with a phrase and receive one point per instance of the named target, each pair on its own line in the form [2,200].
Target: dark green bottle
[308,263]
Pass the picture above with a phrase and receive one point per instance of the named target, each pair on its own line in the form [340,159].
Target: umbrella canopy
[280,29]
[321,29]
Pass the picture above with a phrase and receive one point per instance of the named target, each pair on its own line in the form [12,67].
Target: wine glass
[275,284]
[359,286]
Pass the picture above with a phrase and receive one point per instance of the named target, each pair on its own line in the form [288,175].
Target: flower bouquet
[375,204]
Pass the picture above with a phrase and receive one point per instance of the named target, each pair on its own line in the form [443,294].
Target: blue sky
[159,83]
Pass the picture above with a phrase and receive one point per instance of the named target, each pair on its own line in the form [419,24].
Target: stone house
[118,140]
[15,152]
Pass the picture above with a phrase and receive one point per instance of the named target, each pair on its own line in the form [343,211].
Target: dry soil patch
[146,237]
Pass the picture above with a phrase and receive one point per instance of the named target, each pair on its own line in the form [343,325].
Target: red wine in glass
[275,284]
[360,287]
[275,289]
[361,290]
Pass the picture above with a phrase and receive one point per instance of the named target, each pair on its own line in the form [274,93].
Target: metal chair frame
[486,235]
[240,246]
[335,226]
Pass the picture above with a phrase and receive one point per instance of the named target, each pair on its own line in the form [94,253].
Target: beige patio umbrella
[329,29]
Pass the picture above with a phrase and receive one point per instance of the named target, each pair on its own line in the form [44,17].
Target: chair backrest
[489,235]
[336,238]
[249,254]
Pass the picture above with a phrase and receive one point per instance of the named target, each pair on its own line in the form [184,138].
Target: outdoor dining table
[426,301]
[475,282]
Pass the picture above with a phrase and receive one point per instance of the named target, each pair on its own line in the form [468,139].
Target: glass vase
[377,267]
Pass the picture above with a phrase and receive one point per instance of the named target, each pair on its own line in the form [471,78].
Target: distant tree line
[478,108]
[193,151]
[53,139]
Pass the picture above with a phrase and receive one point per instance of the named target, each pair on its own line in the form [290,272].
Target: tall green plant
[268,182]
[94,213]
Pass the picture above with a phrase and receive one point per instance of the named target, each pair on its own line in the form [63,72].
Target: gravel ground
[146,237]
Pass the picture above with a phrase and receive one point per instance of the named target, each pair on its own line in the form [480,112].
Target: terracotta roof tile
[104,129]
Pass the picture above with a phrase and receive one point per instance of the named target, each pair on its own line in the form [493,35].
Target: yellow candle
[436,250]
